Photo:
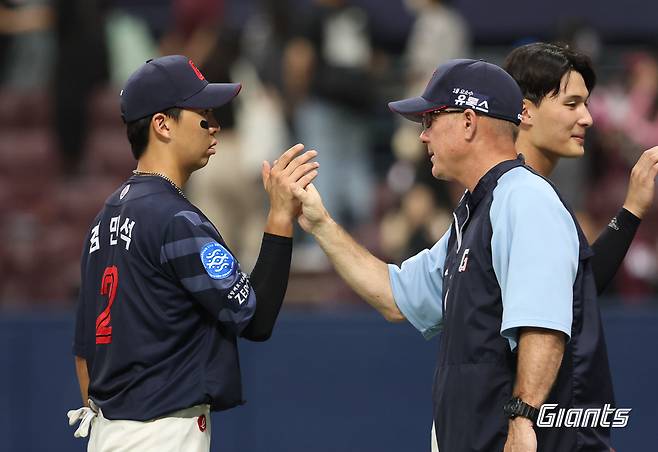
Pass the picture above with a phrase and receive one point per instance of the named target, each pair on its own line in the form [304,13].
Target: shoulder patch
[217,261]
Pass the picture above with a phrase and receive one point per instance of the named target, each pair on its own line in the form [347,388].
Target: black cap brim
[414,108]
[212,96]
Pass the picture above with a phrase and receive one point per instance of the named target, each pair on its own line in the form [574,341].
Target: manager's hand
[313,213]
[291,169]
[521,437]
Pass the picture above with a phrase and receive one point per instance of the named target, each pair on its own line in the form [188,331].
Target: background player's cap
[476,84]
[171,81]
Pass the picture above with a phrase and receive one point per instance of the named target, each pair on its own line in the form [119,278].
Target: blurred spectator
[266,108]
[266,35]
[81,66]
[580,36]
[328,76]
[196,27]
[640,123]
[130,42]
[27,43]
[418,224]
[439,33]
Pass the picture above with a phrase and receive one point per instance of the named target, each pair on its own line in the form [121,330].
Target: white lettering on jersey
[94,242]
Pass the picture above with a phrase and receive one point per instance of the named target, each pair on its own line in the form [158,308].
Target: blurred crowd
[318,72]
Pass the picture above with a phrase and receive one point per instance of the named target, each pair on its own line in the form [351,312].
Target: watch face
[511,407]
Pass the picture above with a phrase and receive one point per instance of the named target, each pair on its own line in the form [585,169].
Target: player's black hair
[538,68]
[138,131]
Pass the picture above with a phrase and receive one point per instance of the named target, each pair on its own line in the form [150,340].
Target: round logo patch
[217,261]
[202,422]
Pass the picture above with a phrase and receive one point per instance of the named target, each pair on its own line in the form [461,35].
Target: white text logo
[551,416]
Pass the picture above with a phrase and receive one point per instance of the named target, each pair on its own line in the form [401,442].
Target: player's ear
[160,126]
[528,112]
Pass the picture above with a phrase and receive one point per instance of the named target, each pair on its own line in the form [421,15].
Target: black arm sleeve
[611,247]
[269,279]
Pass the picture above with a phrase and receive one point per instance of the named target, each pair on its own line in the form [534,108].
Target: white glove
[87,415]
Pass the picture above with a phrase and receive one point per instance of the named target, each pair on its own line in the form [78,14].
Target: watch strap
[517,407]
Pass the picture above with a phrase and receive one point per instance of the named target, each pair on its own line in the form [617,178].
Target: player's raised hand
[641,186]
[292,168]
[313,213]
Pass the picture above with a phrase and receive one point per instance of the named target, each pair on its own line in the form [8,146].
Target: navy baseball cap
[475,84]
[171,81]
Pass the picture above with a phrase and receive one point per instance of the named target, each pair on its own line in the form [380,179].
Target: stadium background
[335,376]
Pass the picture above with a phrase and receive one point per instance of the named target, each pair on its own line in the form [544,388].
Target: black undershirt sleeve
[269,280]
[611,247]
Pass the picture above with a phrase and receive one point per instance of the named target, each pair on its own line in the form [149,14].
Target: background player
[163,300]
[556,83]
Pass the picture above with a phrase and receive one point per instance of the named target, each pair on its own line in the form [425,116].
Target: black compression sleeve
[611,247]
[269,279]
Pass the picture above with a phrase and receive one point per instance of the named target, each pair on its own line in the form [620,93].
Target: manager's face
[439,136]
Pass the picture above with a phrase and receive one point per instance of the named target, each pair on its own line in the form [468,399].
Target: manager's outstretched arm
[367,275]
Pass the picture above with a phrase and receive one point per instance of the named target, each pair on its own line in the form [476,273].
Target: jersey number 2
[109,284]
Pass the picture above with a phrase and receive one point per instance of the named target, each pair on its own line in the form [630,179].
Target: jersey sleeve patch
[217,261]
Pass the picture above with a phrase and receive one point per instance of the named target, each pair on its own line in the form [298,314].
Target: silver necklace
[152,173]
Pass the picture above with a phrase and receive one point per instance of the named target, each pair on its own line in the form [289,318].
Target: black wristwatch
[517,407]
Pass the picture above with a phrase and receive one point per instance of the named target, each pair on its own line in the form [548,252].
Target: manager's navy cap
[476,84]
[171,81]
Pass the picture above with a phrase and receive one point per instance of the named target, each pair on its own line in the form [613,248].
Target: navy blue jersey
[161,305]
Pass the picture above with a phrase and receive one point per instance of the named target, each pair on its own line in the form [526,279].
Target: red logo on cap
[196,70]
[202,422]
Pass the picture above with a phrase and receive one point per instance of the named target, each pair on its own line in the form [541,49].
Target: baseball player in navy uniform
[509,286]
[163,300]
